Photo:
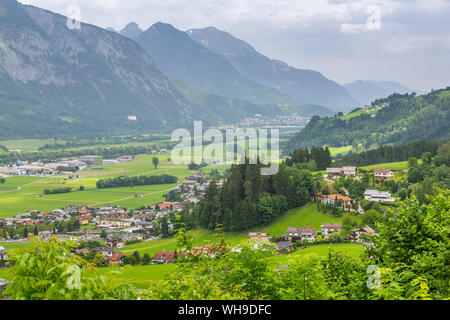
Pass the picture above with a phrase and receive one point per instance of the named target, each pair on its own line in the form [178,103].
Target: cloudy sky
[401,40]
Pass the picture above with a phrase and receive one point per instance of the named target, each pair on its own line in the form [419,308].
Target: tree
[35,232]
[155,162]
[82,188]
[25,232]
[412,250]
[412,163]
[146,259]
[2,180]
[103,234]
[99,260]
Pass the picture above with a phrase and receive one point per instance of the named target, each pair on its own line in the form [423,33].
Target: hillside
[365,92]
[87,82]
[407,118]
[302,86]
[178,56]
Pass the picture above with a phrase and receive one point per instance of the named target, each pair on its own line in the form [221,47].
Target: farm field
[335,151]
[21,194]
[26,145]
[402,165]
[308,216]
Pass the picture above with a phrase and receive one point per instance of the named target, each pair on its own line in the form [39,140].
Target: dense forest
[386,154]
[314,159]
[126,181]
[406,118]
[248,199]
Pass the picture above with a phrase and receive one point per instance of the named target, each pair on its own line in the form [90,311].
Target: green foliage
[407,118]
[126,181]
[48,271]
[413,249]
[389,153]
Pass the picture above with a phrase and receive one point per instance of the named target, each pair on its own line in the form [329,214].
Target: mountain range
[55,80]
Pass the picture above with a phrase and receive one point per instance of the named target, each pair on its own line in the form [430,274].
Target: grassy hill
[406,118]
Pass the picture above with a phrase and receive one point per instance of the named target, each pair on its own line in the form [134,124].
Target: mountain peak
[131,30]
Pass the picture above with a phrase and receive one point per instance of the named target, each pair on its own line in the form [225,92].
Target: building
[383,174]
[302,233]
[106,251]
[3,255]
[114,243]
[164,205]
[378,196]
[328,228]
[285,247]
[349,171]
[164,257]
[264,236]
[334,173]
[355,235]
[116,258]
[337,200]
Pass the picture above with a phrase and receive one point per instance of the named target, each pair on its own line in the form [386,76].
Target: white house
[378,196]
[383,174]
[303,233]
[328,228]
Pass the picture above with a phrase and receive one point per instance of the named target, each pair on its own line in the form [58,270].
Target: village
[111,228]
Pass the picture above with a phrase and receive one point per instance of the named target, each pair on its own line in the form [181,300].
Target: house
[264,236]
[114,243]
[106,251]
[83,251]
[302,233]
[3,255]
[356,234]
[164,257]
[334,173]
[285,247]
[328,228]
[116,258]
[164,205]
[349,171]
[383,174]
[337,200]
[378,196]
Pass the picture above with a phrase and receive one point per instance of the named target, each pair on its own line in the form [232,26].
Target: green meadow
[21,194]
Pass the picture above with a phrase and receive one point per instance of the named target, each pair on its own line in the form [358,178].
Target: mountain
[405,118]
[367,91]
[57,81]
[131,30]
[182,58]
[302,86]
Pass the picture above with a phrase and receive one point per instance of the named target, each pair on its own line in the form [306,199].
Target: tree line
[126,181]
[388,153]
[315,159]
[248,199]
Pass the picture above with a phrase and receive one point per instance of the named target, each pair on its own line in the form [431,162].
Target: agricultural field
[20,194]
[336,151]
[28,145]
[308,216]
[402,165]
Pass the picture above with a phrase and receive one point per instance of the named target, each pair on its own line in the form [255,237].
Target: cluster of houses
[286,243]
[335,173]
[41,169]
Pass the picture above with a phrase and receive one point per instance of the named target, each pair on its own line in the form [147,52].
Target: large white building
[378,196]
